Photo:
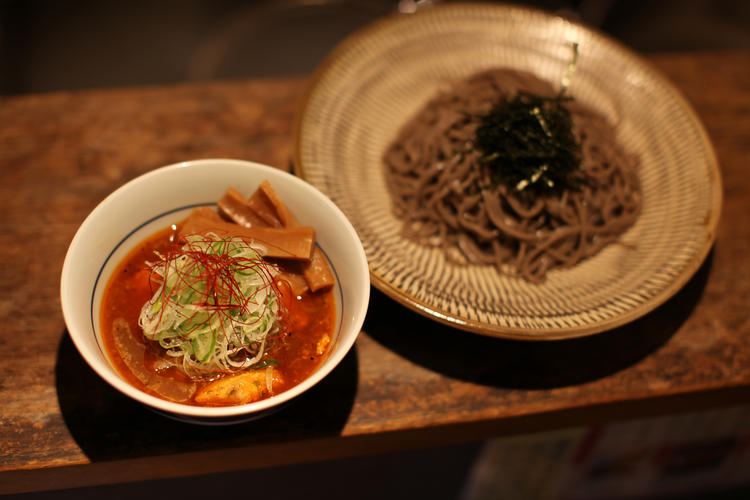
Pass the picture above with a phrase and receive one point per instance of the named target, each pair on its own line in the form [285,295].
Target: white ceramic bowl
[166,195]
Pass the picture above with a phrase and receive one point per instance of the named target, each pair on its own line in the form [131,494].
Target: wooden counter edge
[339,447]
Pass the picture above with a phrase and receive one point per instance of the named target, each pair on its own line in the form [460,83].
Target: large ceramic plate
[379,77]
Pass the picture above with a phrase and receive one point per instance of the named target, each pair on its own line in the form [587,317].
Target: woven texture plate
[379,77]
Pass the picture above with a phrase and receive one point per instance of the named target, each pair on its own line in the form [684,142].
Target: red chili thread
[221,293]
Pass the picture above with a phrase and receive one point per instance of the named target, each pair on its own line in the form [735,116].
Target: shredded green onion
[216,306]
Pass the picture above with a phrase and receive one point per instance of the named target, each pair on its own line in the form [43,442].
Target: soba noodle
[446,199]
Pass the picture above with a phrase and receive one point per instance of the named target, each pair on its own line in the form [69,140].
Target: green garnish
[216,305]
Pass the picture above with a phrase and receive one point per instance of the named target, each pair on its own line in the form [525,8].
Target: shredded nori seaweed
[527,144]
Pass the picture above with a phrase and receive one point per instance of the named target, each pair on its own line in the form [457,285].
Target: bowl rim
[202,414]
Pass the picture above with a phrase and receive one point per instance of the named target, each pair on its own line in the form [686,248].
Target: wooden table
[407,383]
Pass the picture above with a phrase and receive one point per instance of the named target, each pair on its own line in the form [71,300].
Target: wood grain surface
[408,382]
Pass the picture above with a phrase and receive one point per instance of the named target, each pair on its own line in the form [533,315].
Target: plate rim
[689,269]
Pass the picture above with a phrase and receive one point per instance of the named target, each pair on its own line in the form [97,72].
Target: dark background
[48,45]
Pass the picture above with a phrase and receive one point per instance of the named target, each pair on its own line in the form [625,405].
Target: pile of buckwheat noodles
[445,199]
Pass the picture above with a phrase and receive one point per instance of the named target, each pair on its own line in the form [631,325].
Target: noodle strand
[445,199]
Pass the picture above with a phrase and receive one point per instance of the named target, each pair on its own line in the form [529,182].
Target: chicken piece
[244,388]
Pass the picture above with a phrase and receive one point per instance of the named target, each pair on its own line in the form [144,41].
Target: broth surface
[294,354]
